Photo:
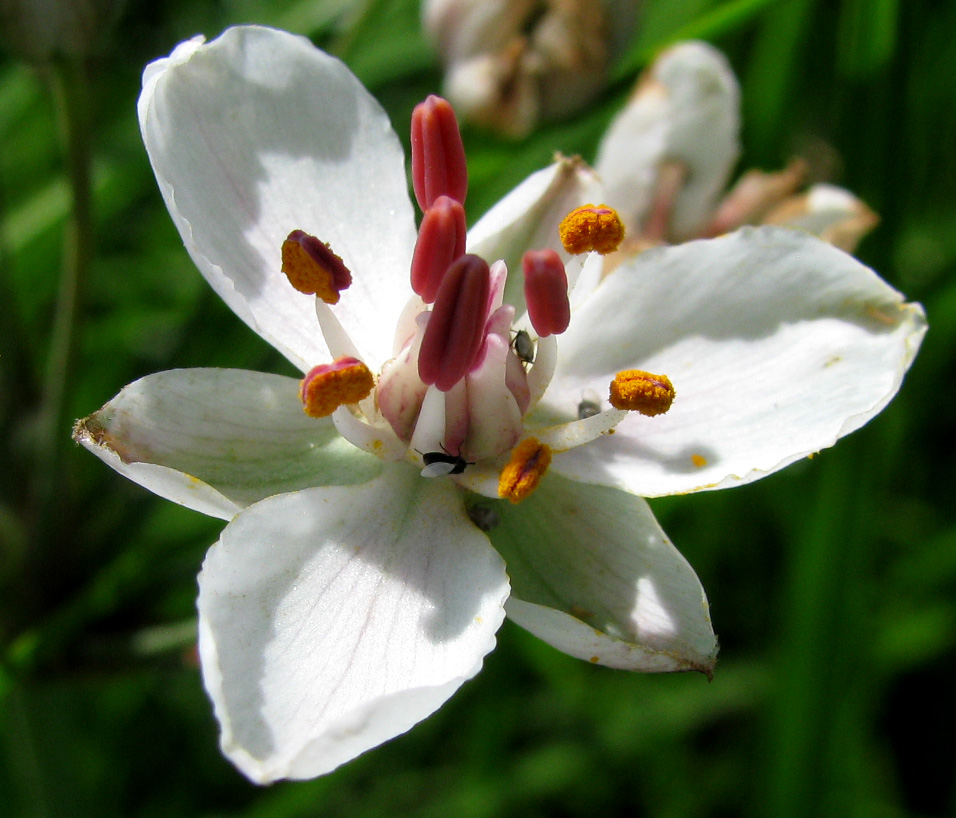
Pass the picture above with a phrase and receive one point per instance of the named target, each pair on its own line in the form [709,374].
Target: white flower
[667,157]
[349,596]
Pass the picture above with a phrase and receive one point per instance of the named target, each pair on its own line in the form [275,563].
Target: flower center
[456,394]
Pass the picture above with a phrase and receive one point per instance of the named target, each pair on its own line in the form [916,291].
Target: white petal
[332,620]
[777,344]
[528,218]
[257,134]
[686,109]
[217,440]
[594,575]
[832,213]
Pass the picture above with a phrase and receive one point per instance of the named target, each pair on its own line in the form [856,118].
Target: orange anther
[529,461]
[312,267]
[591,227]
[329,386]
[643,392]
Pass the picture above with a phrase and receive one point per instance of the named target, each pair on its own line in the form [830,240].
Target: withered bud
[513,63]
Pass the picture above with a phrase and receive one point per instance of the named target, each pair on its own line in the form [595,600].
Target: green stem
[364,19]
[822,637]
[20,749]
[15,375]
[68,83]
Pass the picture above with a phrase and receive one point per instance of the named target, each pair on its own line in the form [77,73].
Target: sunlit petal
[594,575]
[217,440]
[777,345]
[332,620]
[257,134]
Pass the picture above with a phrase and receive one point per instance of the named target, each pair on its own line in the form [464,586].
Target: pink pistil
[438,155]
[441,242]
[456,325]
[546,292]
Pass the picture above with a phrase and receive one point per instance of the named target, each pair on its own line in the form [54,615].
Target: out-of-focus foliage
[833,584]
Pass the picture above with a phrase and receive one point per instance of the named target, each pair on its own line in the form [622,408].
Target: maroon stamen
[456,325]
[546,292]
[441,242]
[438,155]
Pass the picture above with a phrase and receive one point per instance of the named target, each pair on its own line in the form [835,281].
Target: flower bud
[512,63]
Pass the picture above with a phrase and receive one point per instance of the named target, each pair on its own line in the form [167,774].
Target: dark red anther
[438,155]
[546,292]
[441,242]
[313,268]
[456,325]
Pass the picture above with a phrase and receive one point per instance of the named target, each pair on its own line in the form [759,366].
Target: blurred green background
[832,584]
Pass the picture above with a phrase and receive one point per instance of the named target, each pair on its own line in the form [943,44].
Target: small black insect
[438,464]
[588,408]
[523,346]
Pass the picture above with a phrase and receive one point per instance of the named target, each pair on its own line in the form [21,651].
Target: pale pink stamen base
[566,436]
[545,361]
[380,441]
[429,433]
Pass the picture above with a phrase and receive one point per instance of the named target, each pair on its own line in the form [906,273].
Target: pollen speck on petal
[312,268]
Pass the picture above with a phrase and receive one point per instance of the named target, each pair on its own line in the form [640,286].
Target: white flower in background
[513,63]
[667,157]
[362,575]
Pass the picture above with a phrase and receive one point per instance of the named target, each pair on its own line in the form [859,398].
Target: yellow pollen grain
[529,461]
[591,227]
[698,460]
[644,392]
[325,392]
[306,274]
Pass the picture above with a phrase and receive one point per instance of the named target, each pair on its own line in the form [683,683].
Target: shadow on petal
[582,555]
